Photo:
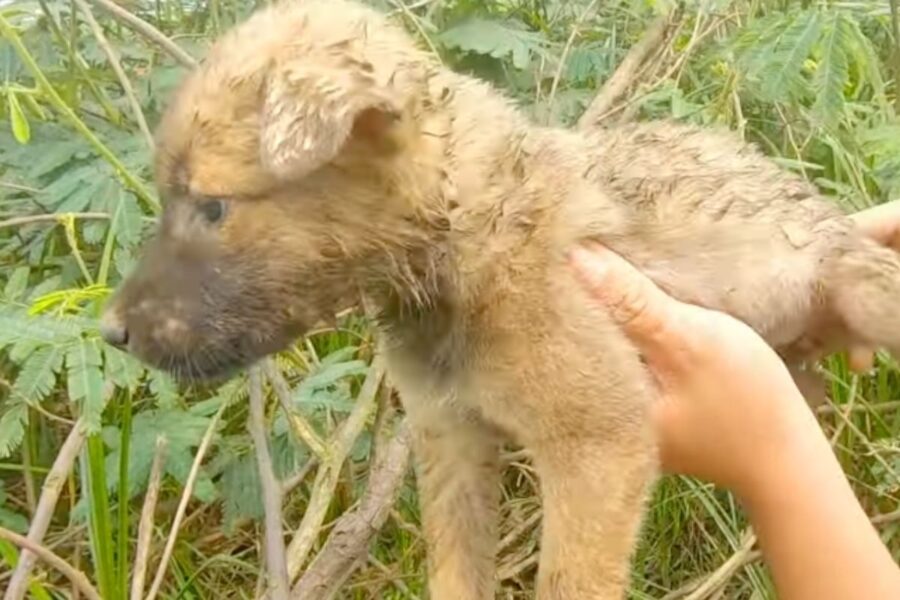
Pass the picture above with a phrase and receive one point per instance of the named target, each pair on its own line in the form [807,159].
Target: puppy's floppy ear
[314,105]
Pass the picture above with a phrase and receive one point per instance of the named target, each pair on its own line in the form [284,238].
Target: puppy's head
[277,162]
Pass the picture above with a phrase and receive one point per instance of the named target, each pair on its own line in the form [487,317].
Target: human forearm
[817,540]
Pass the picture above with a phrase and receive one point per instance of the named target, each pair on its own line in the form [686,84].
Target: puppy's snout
[113,330]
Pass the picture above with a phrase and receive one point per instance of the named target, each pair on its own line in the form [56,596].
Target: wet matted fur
[317,151]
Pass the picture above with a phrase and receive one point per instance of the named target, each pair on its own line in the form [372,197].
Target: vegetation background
[813,83]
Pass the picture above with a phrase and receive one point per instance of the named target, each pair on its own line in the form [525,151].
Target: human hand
[882,224]
[727,408]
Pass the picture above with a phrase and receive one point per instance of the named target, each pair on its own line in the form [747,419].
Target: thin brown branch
[288,485]
[113,57]
[330,469]
[147,30]
[743,556]
[349,540]
[271,490]
[28,220]
[46,505]
[182,505]
[626,74]
[145,527]
[302,430]
[78,578]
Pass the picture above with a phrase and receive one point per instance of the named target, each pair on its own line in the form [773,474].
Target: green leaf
[129,222]
[12,427]
[19,122]
[498,39]
[241,491]
[122,369]
[782,77]
[85,381]
[163,387]
[833,70]
[183,432]
[17,283]
[37,378]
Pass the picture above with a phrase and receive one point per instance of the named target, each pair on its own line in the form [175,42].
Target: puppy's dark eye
[213,210]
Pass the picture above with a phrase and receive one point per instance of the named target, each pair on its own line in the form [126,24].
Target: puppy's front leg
[459,492]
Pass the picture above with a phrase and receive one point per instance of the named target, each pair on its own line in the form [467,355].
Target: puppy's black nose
[113,330]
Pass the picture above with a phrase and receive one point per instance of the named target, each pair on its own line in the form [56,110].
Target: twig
[288,485]
[271,490]
[113,58]
[182,505]
[827,409]
[625,75]
[299,427]
[145,528]
[565,55]
[744,555]
[78,579]
[349,540]
[148,31]
[329,470]
[46,505]
[886,518]
[58,217]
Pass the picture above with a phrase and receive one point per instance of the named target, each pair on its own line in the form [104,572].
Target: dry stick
[46,504]
[565,55]
[113,58]
[625,74]
[299,427]
[720,576]
[275,559]
[182,505]
[147,30]
[348,542]
[145,528]
[78,579]
[330,469]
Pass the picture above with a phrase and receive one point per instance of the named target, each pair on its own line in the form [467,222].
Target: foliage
[812,83]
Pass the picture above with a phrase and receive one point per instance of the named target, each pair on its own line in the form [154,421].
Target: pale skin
[729,413]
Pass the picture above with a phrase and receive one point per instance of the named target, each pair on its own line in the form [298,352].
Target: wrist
[793,456]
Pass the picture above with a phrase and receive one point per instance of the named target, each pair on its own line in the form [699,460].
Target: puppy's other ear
[314,106]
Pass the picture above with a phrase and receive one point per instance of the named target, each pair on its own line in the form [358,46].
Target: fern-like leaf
[37,378]
[782,78]
[833,70]
[85,381]
[12,427]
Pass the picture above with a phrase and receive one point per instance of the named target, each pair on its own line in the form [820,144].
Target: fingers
[635,303]
[881,223]
[861,359]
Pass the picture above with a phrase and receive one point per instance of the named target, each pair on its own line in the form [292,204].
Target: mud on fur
[318,152]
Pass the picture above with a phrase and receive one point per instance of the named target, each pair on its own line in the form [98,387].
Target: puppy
[317,151]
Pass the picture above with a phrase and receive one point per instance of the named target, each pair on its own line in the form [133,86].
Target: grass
[814,84]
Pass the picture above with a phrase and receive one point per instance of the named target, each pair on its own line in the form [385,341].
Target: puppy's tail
[863,285]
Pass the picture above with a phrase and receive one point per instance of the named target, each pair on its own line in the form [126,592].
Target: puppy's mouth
[213,361]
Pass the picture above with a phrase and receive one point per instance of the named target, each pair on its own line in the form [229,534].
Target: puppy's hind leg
[863,288]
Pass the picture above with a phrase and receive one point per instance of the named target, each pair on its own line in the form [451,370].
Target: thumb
[635,303]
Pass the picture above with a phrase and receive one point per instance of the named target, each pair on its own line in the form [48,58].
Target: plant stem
[46,504]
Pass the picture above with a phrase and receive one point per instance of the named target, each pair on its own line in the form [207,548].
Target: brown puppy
[318,151]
